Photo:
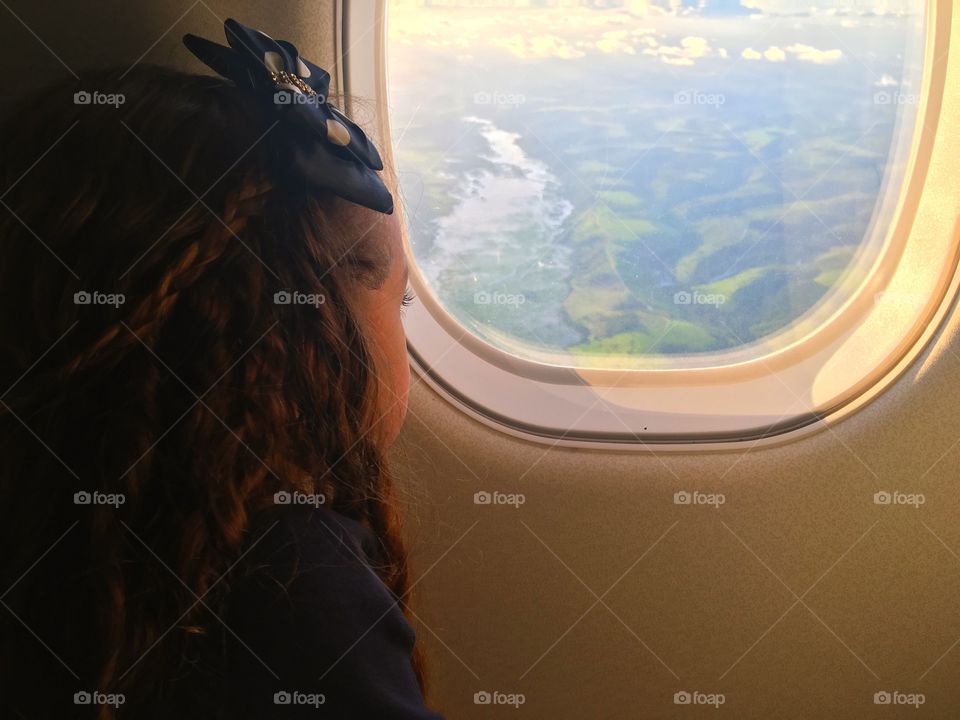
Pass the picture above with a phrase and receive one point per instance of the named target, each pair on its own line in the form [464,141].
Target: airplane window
[622,183]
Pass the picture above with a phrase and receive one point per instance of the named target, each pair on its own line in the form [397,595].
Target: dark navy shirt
[317,634]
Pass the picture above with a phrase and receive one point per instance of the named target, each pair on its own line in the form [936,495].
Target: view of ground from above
[610,180]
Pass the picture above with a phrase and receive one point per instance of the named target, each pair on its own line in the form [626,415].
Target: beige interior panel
[601,598]
[42,40]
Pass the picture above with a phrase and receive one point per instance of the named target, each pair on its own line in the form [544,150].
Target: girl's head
[187,326]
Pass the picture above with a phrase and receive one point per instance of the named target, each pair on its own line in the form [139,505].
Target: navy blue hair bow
[342,160]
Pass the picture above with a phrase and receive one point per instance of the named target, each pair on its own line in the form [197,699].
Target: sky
[638,29]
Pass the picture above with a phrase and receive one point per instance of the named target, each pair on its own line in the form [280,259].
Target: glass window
[632,183]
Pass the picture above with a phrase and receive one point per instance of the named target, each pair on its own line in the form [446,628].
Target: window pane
[608,182]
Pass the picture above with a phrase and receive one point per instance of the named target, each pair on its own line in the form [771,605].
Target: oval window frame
[800,388]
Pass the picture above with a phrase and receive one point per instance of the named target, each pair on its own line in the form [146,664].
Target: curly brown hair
[184,389]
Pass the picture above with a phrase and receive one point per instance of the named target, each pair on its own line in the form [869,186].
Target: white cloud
[831,7]
[625,41]
[695,47]
[807,53]
[690,49]
[638,7]
[774,54]
[803,53]
[886,81]
[669,50]
[614,41]
[513,43]
[533,35]
[552,46]
[538,46]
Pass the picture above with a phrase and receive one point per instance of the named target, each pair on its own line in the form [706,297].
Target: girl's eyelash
[408,298]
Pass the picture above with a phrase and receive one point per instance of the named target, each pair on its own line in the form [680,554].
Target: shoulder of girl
[296,539]
[317,568]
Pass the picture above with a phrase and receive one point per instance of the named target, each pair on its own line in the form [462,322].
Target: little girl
[203,367]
